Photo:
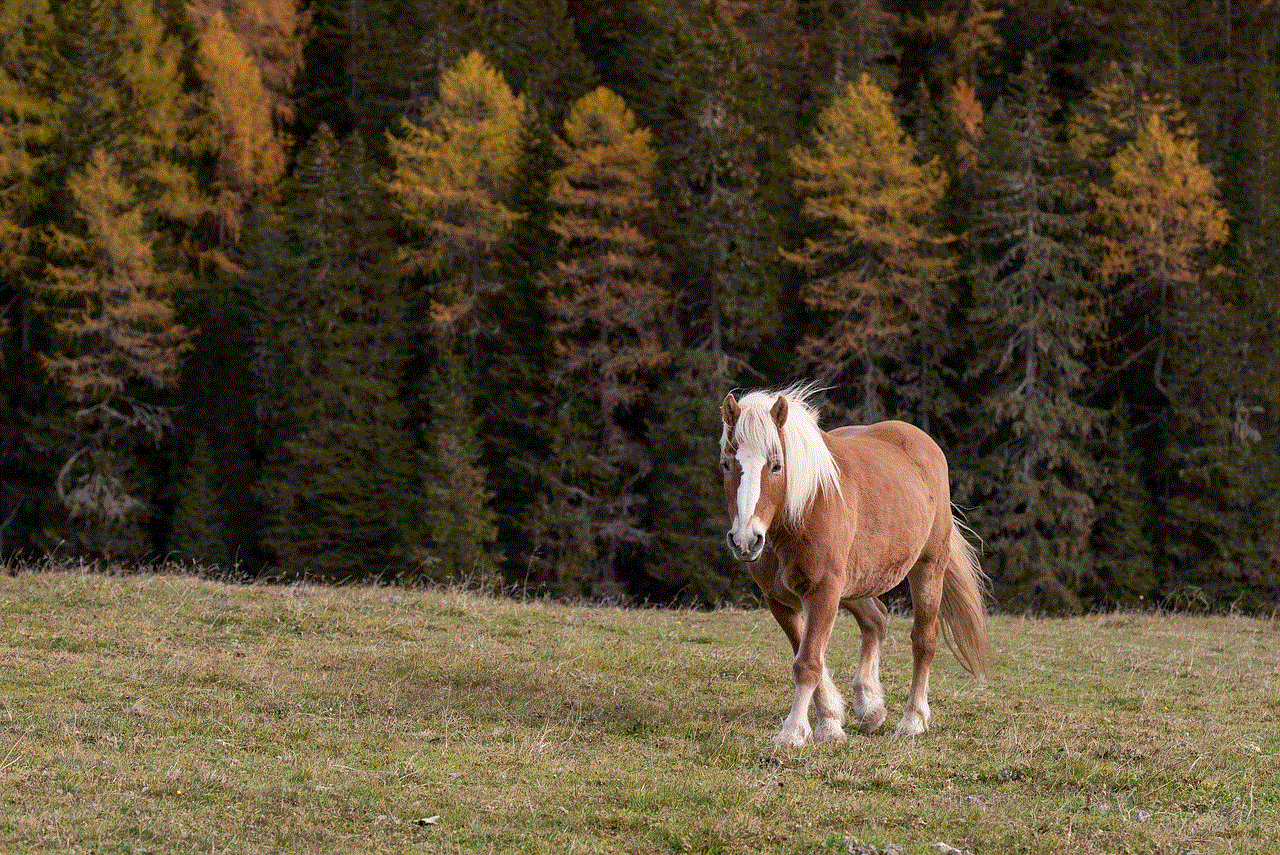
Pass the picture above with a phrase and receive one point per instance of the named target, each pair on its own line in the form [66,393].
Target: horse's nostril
[757,542]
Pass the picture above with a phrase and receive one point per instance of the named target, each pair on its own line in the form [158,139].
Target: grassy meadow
[164,713]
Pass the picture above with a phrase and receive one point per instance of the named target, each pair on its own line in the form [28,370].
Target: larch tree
[452,188]
[28,116]
[1171,324]
[1159,213]
[958,37]
[876,267]
[608,306]
[1034,316]
[247,56]
[126,145]
[118,347]
[451,185]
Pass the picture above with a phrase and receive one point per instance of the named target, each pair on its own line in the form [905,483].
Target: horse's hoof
[790,740]
[872,721]
[911,725]
[829,732]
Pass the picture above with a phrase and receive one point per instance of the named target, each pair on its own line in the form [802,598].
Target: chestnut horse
[831,519]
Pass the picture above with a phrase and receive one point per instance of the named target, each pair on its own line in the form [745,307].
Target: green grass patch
[169,714]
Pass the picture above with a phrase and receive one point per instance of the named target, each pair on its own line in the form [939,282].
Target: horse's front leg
[809,667]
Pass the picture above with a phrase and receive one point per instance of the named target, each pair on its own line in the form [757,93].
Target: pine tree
[608,306]
[875,265]
[337,486]
[1034,464]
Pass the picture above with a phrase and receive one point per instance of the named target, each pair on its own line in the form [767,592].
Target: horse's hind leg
[868,694]
[926,601]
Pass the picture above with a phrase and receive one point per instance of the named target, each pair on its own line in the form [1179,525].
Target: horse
[832,519]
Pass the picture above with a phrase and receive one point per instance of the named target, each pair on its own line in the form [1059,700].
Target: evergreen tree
[876,266]
[688,558]
[1253,173]
[457,523]
[516,392]
[200,531]
[608,306]
[337,487]
[1035,470]
[718,234]
[369,64]
[534,46]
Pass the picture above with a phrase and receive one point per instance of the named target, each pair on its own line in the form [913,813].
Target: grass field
[169,714]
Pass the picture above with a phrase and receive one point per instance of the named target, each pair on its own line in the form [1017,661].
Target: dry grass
[168,714]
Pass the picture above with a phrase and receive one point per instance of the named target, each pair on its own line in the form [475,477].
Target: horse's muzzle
[748,552]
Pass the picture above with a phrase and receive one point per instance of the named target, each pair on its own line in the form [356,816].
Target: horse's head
[753,459]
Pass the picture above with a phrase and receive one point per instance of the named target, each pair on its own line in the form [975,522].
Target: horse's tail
[964,607]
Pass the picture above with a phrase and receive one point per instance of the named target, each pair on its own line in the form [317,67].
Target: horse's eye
[724,464]
[776,467]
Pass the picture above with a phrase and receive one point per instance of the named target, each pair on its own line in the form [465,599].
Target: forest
[449,291]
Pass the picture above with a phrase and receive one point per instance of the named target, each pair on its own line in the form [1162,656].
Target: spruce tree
[457,523]
[1254,261]
[688,560]
[337,487]
[200,533]
[1035,473]
[516,395]
[718,232]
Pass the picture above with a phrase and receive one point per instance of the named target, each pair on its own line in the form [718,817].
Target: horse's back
[891,443]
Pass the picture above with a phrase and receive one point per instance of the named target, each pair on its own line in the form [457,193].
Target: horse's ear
[779,412]
[730,411]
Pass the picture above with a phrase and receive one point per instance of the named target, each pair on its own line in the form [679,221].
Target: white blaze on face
[745,525]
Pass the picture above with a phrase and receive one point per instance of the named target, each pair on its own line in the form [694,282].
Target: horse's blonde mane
[810,468]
